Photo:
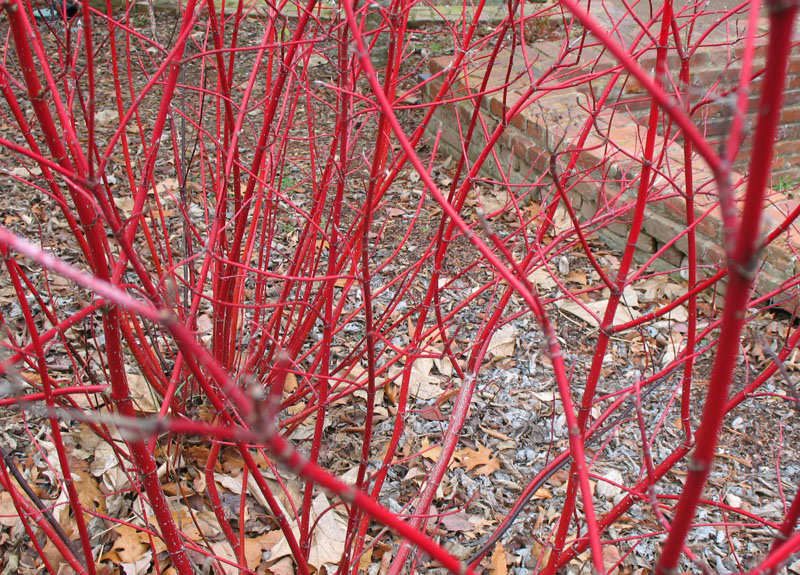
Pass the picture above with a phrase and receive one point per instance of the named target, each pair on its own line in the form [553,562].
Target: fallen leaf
[503,342]
[283,567]
[144,398]
[499,562]
[8,513]
[611,558]
[89,493]
[481,459]
[623,313]
[423,386]
[129,545]
[457,522]
[674,347]
[222,549]
[140,566]
[577,277]
[542,279]
[494,200]
[168,184]
[429,452]
[561,220]
[607,490]
[443,365]
[327,541]
[106,117]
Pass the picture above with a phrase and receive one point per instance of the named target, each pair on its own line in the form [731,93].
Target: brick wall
[603,188]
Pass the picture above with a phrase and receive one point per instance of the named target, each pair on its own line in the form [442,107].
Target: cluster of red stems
[248,136]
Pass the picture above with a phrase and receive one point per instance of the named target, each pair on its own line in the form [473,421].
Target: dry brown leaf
[129,545]
[89,493]
[577,277]
[611,557]
[429,452]
[499,563]
[481,460]
[496,434]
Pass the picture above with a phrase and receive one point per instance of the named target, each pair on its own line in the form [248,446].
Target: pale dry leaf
[222,549]
[630,297]
[144,398]
[204,326]
[674,347]
[283,567]
[443,366]
[232,484]
[350,476]
[422,385]
[8,513]
[104,459]
[167,185]
[25,172]
[503,342]
[328,539]
[125,206]
[542,279]
[610,490]
[561,220]
[563,266]
[457,522]
[623,313]
[660,286]
[679,314]
[494,200]
[106,117]
[140,566]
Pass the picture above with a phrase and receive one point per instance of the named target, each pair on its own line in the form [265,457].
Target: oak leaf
[481,460]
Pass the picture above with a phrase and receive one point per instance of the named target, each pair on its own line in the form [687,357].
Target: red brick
[496,107]
[790,114]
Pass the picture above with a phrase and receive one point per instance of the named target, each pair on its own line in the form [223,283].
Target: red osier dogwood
[240,238]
